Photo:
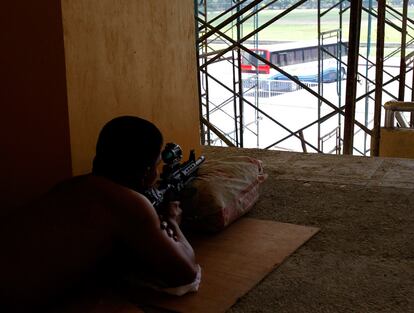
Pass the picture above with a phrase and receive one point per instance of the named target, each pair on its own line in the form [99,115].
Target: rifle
[175,176]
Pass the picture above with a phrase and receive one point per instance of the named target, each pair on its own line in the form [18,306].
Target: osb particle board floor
[363,258]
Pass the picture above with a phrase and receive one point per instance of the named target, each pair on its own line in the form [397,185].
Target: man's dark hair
[126,147]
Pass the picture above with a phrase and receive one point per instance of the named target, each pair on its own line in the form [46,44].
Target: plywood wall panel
[34,127]
[133,57]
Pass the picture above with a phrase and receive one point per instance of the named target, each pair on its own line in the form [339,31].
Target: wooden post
[351,81]
[378,77]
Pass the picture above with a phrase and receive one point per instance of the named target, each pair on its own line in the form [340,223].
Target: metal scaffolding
[233,113]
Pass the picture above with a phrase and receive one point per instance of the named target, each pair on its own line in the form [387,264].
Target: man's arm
[168,256]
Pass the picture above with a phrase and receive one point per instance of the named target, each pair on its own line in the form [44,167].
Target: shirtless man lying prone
[49,246]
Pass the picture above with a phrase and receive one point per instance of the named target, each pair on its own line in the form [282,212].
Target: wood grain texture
[133,57]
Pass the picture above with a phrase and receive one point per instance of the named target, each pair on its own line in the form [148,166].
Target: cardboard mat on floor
[232,263]
[101,301]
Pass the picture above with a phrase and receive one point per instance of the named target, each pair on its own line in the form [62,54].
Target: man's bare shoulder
[98,189]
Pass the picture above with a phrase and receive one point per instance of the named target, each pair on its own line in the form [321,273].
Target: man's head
[127,151]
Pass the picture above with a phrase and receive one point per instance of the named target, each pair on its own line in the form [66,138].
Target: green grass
[301,25]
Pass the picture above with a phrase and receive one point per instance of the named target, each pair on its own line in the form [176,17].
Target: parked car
[329,75]
[280,83]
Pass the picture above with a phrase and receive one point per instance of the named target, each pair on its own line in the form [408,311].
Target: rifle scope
[172,153]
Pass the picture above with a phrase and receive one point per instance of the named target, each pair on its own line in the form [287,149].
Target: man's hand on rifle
[171,218]
[174,211]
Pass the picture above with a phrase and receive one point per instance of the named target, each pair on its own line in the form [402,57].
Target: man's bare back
[49,245]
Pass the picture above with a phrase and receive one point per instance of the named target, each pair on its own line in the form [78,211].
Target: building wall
[69,66]
[34,128]
[134,57]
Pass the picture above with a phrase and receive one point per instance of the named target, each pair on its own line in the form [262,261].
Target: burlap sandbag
[224,190]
